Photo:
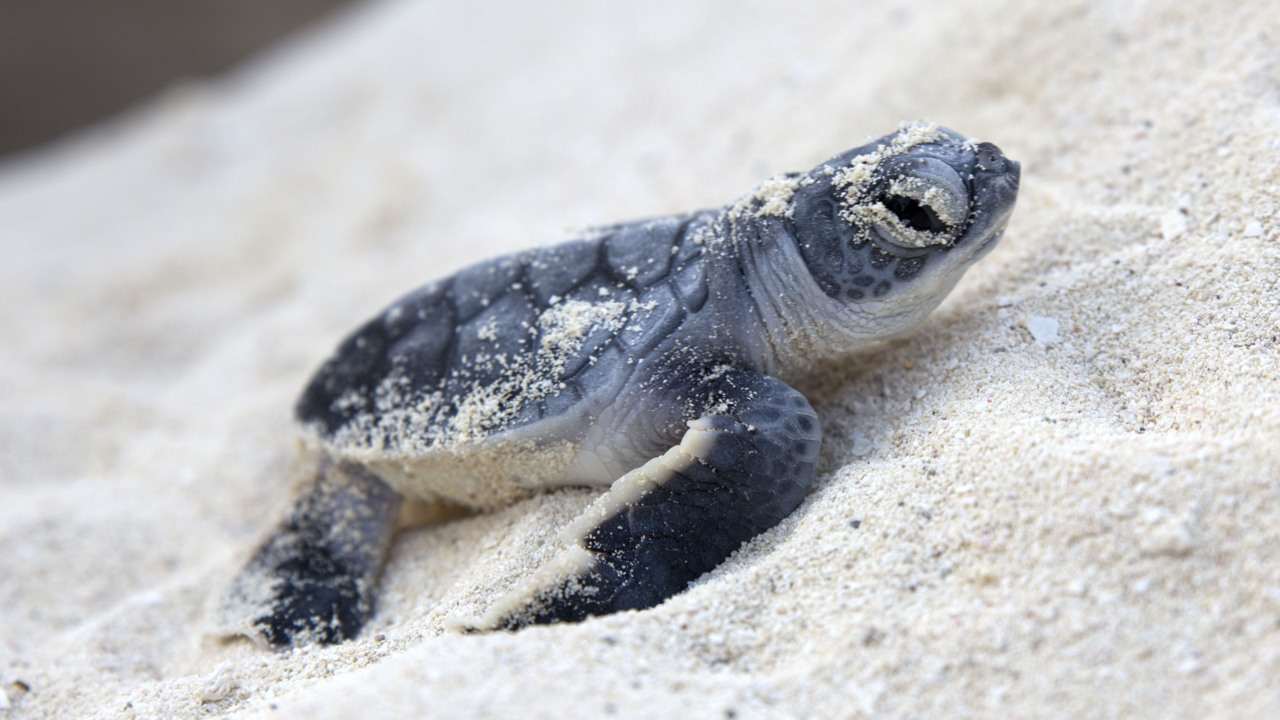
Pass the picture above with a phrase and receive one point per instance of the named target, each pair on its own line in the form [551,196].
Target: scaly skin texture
[651,358]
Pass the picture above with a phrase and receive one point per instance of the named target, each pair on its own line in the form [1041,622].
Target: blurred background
[67,63]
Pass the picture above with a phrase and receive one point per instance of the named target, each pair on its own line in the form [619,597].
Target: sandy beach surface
[1059,497]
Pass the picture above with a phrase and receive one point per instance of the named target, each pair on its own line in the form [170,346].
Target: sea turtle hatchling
[650,359]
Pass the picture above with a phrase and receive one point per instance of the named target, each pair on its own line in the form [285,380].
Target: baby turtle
[650,359]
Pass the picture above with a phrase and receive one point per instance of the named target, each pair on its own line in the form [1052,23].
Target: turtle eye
[914,214]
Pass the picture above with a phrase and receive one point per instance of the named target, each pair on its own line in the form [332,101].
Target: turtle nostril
[991,159]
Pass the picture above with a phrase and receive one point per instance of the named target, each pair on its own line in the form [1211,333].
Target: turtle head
[888,228]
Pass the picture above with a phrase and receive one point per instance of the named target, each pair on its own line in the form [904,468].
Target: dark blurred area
[66,63]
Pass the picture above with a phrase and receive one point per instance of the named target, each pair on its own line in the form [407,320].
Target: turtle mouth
[1001,194]
[989,243]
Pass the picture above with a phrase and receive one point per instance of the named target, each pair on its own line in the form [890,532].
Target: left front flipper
[741,467]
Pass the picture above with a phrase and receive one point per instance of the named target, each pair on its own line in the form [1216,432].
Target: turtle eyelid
[915,214]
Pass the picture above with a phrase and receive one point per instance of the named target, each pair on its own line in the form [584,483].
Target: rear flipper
[313,580]
[739,469]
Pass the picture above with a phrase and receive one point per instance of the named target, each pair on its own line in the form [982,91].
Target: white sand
[1084,525]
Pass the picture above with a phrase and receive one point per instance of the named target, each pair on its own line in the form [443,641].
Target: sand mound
[1060,497]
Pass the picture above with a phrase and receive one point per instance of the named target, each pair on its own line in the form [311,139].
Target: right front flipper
[741,467]
[313,580]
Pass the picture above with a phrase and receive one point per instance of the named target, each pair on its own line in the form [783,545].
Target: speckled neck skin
[800,324]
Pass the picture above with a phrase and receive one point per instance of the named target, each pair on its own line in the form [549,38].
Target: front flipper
[740,468]
[313,580]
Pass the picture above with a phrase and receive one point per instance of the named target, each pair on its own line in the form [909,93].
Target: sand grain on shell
[1000,527]
[408,421]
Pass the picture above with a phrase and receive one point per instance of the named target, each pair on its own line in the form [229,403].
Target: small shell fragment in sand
[1173,224]
[1043,329]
